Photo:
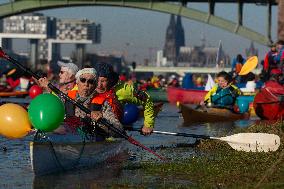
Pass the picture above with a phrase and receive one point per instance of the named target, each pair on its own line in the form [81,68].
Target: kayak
[51,157]
[23,101]
[185,96]
[268,106]
[191,115]
[14,94]
[158,95]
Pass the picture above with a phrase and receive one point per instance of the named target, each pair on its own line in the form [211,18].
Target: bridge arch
[24,6]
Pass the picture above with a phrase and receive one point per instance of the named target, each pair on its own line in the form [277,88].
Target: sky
[140,33]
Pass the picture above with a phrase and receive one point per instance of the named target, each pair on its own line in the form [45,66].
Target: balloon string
[136,143]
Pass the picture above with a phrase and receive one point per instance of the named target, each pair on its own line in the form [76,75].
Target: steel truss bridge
[13,7]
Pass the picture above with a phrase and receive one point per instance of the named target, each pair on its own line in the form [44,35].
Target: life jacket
[98,101]
[224,97]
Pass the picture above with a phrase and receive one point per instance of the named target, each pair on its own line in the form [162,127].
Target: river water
[15,168]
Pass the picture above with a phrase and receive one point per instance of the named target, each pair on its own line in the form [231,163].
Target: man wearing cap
[125,93]
[86,80]
[66,77]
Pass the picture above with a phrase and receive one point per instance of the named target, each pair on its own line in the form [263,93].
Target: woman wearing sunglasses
[86,94]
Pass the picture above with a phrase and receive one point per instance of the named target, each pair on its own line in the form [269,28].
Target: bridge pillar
[6,43]
[33,53]
[80,52]
[280,20]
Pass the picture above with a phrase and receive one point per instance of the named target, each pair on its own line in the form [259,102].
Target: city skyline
[139,33]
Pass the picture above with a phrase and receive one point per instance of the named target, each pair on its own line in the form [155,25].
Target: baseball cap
[73,68]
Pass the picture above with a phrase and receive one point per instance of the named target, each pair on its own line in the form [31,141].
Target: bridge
[178,7]
[183,70]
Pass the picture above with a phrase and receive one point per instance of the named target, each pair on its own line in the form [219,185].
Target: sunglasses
[62,72]
[89,81]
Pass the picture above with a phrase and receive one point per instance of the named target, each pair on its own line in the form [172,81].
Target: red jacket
[274,87]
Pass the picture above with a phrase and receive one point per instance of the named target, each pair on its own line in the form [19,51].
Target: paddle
[248,142]
[249,65]
[83,108]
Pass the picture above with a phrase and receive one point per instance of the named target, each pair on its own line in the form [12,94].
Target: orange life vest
[100,98]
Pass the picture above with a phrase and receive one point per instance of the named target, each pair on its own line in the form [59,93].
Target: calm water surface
[15,169]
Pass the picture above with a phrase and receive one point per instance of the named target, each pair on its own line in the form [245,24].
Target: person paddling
[66,77]
[86,94]
[126,93]
[224,94]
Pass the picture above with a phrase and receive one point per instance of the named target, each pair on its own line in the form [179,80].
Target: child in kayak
[224,94]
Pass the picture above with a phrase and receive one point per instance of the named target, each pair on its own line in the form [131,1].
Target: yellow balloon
[14,121]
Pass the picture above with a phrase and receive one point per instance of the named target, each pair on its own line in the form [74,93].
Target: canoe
[185,96]
[268,106]
[52,157]
[158,95]
[190,115]
[14,94]
[23,101]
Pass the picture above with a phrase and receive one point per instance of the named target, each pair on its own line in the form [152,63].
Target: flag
[219,56]
[210,83]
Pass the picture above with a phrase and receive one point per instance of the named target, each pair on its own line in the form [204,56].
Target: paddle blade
[253,142]
[249,65]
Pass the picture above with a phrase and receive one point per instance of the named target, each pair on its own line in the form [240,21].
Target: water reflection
[99,177]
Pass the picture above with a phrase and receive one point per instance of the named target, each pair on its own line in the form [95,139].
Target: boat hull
[190,115]
[158,95]
[185,96]
[47,157]
[14,94]
[268,106]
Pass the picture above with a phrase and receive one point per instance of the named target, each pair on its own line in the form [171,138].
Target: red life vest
[100,98]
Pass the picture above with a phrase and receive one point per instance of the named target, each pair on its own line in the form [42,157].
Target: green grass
[217,166]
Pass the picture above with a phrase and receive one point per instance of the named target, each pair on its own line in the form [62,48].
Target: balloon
[14,121]
[46,112]
[34,91]
[131,114]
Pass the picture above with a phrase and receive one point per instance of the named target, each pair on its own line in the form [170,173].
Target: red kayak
[268,106]
[185,96]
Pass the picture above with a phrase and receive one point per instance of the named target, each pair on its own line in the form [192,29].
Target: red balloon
[34,91]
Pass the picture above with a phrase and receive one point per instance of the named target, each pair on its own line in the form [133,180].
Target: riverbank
[216,165]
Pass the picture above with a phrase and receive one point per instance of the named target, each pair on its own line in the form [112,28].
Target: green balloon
[46,112]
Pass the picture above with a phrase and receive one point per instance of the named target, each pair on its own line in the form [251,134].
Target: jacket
[127,93]
[222,97]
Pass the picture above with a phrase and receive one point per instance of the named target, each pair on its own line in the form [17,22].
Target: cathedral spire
[180,42]
[170,43]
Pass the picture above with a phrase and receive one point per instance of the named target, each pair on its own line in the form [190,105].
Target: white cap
[73,68]
[86,71]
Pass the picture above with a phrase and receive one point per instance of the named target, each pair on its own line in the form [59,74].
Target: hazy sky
[145,30]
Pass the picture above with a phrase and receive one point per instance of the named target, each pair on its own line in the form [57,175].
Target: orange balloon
[14,121]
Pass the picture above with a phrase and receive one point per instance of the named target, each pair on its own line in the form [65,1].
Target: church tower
[174,39]
[180,41]
[170,44]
